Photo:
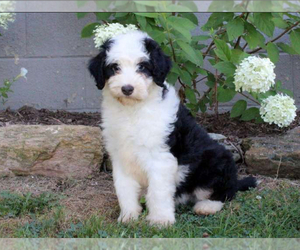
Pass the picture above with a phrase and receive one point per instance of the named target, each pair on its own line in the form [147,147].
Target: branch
[208,49]
[201,79]
[204,95]
[240,37]
[216,92]
[249,98]
[244,47]
[276,38]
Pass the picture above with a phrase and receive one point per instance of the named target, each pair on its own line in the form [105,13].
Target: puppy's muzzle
[127,90]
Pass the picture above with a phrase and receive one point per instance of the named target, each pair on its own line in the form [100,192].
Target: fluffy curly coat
[153,141]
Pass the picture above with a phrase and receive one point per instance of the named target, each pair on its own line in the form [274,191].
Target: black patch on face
[145,68]
[160,63]
[97,67]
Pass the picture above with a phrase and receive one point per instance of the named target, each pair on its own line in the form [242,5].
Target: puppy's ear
[96,68]
[97,65]
[161,63]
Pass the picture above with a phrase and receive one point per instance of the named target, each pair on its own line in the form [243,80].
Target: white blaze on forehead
[129,46]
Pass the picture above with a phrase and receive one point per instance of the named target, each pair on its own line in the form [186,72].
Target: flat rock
[217,137]
[57,151]
[276,156]
[221,139]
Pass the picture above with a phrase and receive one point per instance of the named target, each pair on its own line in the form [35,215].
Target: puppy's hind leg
[128,190]
[207,207]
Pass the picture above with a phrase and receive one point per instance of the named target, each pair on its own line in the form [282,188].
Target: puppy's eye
[141,67]
[115,67]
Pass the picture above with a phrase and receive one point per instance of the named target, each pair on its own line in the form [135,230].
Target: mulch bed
[241,129]
[31,116]
[222,125]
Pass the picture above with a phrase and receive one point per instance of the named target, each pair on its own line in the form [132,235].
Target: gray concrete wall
[50,47]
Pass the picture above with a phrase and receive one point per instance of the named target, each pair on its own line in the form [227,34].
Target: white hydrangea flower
[279,109]
[5,18]
[255,75]
[107,31]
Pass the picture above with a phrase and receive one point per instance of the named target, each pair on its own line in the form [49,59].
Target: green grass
[13,205]
[276,214]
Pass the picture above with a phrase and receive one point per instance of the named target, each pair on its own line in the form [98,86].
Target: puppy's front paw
[128,217]
[161,221]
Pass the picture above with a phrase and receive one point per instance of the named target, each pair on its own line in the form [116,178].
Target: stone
[57,151]
[221,139]
[217,137]
[275,156]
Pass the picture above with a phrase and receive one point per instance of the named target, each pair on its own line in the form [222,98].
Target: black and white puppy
[153,140]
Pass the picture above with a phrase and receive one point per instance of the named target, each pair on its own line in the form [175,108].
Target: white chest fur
[135,133]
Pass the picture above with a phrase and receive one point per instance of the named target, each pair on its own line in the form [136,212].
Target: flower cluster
[5,18]
[255,75]
[107,31]
[279,109]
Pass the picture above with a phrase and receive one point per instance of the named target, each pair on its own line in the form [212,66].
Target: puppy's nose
[127,90]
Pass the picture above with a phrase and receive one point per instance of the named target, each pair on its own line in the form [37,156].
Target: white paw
[129,216]
[208,207]
[161,221]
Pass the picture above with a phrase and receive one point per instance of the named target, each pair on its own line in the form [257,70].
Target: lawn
[271,210]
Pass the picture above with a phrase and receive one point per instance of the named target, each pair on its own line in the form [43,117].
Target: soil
[82,198]
[222,124]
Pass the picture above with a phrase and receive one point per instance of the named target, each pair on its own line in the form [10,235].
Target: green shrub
[228,39]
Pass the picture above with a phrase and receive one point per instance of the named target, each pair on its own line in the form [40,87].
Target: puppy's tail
[246,183]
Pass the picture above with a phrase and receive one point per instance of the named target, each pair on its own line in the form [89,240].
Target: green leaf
[250,114]
[225,95]
[150,15]
[253,37]
[142,21]
[172,78]
[81,14]
[103,15]
[190,94]
[216,20]
[186,77]
[222,51]
[210,84]
[280,23]
[87,31]
[229,82]
[295,40]
[190,67]
[259,120]
[182,25]
[265,95]
[238,55]
[235,28]
[121,14]
[264,22]
[200,38]
[286,48]
[158,36]
[227,68]
[201,71]
[192,17]
[287,91]
[238,108]
[202,106]
[192,55]
[278,85]
[273,52]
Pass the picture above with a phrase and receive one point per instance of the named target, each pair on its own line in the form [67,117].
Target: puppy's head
[129,65]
